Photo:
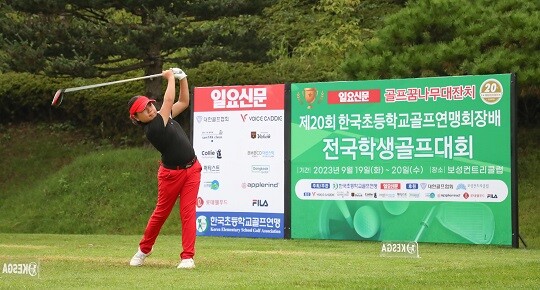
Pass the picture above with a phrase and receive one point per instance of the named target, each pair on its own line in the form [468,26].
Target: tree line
[324,40]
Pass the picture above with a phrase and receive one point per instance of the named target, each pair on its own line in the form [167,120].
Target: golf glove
[178,73]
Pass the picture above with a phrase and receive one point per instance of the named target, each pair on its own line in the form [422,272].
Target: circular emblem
[33,269]
[411,248]
[202,224]
[214,185]
[491,91]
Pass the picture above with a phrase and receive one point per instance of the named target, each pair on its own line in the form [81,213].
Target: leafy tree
[102,38]
[318,34]
[458,37]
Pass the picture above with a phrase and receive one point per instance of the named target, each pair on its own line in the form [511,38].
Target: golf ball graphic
[396,207]
[366,222]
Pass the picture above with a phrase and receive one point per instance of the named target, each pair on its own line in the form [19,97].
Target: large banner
[238,137]
[426,160]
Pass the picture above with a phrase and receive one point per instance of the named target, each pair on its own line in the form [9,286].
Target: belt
[178,167]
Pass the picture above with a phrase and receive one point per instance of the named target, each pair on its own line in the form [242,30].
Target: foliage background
[287,41]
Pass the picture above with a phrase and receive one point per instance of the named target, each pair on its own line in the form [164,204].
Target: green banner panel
[425,160]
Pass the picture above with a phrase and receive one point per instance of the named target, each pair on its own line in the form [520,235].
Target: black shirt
[170,140]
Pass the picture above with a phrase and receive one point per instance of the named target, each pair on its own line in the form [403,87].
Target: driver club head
[58,97]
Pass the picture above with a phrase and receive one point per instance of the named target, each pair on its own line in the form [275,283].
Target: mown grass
[101,261]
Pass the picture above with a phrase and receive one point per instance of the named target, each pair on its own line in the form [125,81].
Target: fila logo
[258,202]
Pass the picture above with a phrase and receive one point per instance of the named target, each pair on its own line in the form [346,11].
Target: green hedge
[102,111]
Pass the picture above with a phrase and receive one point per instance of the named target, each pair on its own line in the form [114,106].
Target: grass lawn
[101,261]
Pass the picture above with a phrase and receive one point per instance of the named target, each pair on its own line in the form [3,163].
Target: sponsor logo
[260,185]
[216,202]
[440,186]
[411,186]
[30,269]
[309,96]
[325,194]
[401,194]
[387,195]
[246,97]
[252,118]
[200,202]
[307,193]
[342,194]
[400,249]
[213,119]
[461,186]
[354,96]
[449,195]
[211,169]
[213,185]
[491,91]
[259,202]
[320,185]
[466,195]
[390,186]
[261,153]
[260,168]
[409,248]
[356,194]
[260,135]
[211,135]
[492,195]
[211,154]
[202,224]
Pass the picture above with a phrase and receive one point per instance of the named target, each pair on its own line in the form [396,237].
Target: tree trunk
[153,85]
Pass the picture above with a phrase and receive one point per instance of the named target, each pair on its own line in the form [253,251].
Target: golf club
[472,221]
[342,205]
[59,96]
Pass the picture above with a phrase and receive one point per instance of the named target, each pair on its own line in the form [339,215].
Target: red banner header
[354,96]
[235,98]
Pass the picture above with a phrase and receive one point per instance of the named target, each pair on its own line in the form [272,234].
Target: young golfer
[179,173]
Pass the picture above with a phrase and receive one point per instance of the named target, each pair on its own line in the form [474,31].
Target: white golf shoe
[186,264]
[138,258]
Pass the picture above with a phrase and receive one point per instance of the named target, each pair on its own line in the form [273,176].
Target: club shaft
[425,223]
[110,83]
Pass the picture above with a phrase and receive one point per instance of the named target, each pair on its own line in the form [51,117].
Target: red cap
[139,105]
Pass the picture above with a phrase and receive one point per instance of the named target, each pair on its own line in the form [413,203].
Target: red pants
[174,184]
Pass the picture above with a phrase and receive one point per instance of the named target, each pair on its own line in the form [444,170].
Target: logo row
[399,195]
[215,185]
[218,154]
[218,135]
[223,202]
[246,118]
[216,168]
[398,186]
